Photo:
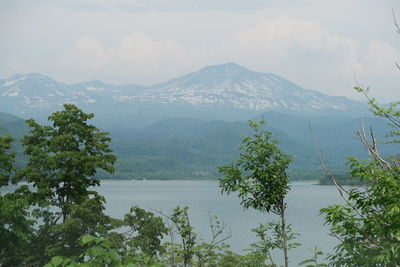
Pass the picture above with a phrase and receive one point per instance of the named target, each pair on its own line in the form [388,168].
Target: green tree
[146,231]
[15,227]
[64,157]
[259,177]
[368,224]
[180,218]
[313,262]
[86,218]
[139,246]
[6,160]
[98,251]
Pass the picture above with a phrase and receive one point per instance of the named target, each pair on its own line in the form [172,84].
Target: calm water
[304,202]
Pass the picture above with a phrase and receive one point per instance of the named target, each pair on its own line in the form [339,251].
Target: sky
[323,45]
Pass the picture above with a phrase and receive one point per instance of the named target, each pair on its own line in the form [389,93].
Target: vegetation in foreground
[62,221]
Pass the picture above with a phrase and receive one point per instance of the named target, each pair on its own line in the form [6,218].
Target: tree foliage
[368,224]
[58,220]
[15,226]
[64,157]
[259,176]
[6,160]
[16,229]
[150,230]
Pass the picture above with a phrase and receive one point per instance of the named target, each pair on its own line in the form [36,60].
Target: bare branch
[216,232]
[340,188]
[373,137]
[355,78]
[371,148]
[395,22]
[324,168]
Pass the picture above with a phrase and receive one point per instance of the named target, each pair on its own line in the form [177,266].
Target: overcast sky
[319,44]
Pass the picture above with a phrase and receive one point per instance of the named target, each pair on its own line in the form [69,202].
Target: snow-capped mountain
[227,85]
[242,88]
[33,92]
[39,91]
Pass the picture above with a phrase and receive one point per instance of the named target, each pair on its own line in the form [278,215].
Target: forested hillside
[15,127]
[193,149]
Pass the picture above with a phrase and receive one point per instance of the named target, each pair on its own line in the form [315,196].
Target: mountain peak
[233,85]
[17,79]
[31,75]
[229,68]
[226,85]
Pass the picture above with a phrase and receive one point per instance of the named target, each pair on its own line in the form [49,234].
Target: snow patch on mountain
[94,89]
[228,84]
[12,82]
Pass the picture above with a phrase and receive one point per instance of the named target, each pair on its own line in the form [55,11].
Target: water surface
[304,202]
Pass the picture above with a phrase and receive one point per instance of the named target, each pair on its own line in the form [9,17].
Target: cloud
[87,54]
[309,54]
[378,71]
[138,48]
[298,49]
[147,42]
[137,57]
[175,5]
[377,57]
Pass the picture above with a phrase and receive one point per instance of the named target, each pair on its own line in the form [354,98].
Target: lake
[304,202]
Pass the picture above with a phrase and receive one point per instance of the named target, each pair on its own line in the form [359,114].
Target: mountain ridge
[223,88]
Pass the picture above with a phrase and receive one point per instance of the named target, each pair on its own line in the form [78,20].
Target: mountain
[12,125]
[226,91]
[189,148]
[243,89]
[6,117]
[35,94]
[188,126]
[192,148]
[15,127]
[185,148]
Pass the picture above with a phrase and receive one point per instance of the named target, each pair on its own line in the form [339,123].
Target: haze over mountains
[186,127]
[227,91]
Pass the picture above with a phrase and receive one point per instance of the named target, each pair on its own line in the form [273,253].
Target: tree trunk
[284,236]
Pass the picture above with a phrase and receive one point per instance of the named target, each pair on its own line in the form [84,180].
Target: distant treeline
[184,148]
